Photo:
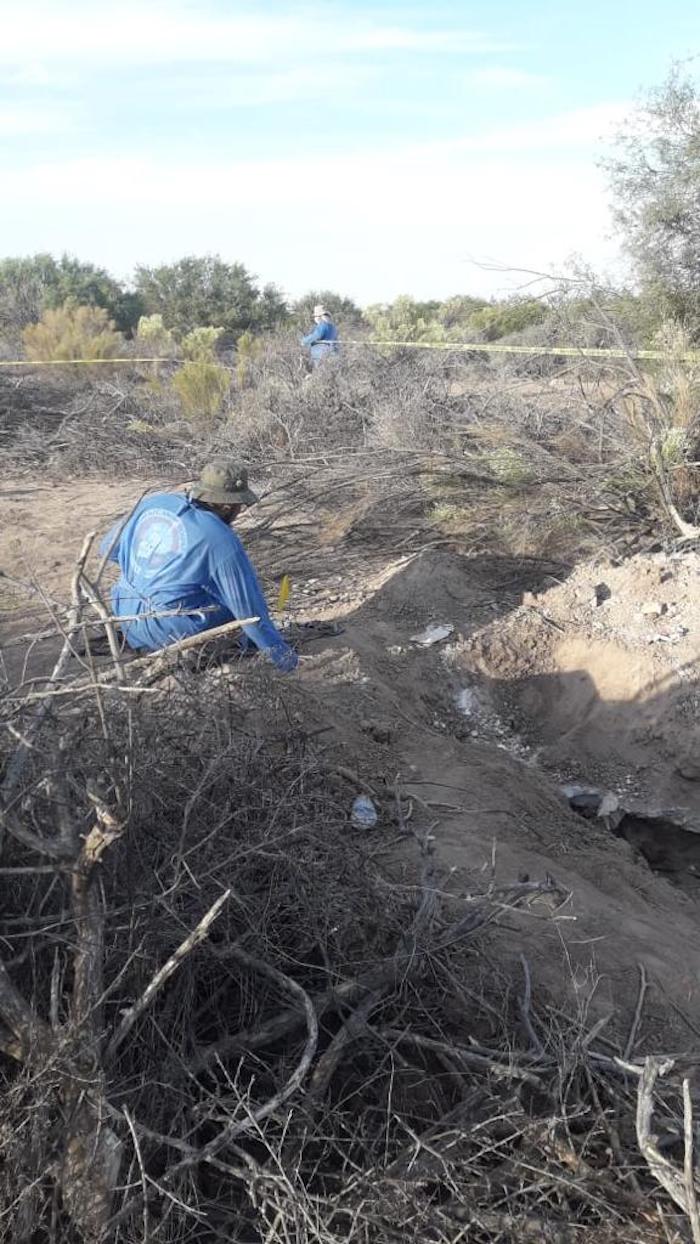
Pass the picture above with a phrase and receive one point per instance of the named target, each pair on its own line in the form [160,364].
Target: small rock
[380,731]
[689,769]
[601,593]
[653,609]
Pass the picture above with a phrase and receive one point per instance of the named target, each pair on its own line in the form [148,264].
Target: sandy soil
[536,685]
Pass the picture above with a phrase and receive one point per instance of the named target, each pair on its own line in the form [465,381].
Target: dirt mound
[486,726]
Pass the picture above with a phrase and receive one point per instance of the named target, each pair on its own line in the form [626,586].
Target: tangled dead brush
[597,457]
[225,1014]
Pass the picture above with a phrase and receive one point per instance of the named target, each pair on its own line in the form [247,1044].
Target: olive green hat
[223,483]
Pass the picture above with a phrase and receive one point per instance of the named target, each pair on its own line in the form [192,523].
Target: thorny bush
[591,455]
[334,1060]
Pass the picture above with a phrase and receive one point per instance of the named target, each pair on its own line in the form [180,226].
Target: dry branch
[254,1117]
[93,595]
[193,939]
[631,1040]
[27,1029]
[689,1163]
[529,1227]
[89,919]
[508,1068]
[675,1183]
[390,973]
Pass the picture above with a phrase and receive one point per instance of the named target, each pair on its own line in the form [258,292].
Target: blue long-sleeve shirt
[173,554]
[322,340]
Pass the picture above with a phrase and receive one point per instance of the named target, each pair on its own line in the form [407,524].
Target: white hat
[319,309]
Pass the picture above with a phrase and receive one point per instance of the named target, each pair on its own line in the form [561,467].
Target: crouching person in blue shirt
[177,552]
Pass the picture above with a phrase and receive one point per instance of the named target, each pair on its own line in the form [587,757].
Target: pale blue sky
[371,148]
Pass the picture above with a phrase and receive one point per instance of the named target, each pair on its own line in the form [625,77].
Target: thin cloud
[234,208]
[502,77]
[216,92]
[131,34]
[22,120]
[380,209]
[580,127]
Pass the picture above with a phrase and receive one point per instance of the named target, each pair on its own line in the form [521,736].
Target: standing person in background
[322,341]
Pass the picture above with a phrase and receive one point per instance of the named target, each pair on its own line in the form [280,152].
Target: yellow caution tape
[479,347]
[285,589]
[490,347]
[73,362]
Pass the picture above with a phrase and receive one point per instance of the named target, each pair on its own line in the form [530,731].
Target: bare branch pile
[225,1014]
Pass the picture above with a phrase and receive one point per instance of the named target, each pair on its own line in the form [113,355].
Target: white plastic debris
[466,701]
[363,814]
[674,636]
[433,635]
[609,804]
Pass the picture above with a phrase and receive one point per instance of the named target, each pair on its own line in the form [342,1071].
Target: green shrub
[248,349]
[35,283]
[201,387]
[200,344]
[508,466]
[73,332]
[404,319]
[153,338]
[501,319]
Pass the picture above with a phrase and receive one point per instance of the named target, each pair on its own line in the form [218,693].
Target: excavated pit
[667,847]
[608,709]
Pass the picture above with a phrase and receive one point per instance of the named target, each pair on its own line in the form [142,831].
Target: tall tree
[203,291]
[32,284]
[344,311]
[655,179]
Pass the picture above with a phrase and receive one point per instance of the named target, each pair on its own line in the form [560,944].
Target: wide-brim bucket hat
[224,483]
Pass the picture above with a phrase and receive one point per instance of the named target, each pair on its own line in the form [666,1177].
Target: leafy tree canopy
[32,284]
[344,311]
[204,291]
[655,180]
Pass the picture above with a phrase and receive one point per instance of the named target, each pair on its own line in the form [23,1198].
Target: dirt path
[42,528]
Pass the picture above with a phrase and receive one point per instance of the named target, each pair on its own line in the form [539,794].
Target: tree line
[654,177]
[205,291]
